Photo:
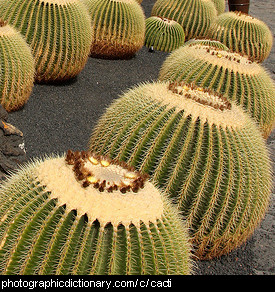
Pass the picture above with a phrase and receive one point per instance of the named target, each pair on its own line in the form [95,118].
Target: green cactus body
[205,152]
[85,214]
[163,34]
[243,34]
[58,32]
[247,83]
[220,6]
[16,68]
[118,28]
[195,16]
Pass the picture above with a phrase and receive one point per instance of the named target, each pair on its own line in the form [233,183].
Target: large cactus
[163,34]
[58,32]
[202,150]
[243,34]
[118,28]
[16,68]
[247,83]
[85,214]
[195,16]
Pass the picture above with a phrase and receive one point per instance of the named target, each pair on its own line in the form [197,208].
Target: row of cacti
[97,212]
[61,37]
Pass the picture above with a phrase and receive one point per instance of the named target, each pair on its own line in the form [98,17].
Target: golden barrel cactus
[82,213]
[16,68]
[58,32]
[201,149]
[118,28]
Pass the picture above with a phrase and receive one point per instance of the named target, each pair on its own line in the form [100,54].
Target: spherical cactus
[247,83]
[85,214]
[204,151]
[118,28]
[58,32]
[16,68]
[163,34]
[195,16]
[220,6]
[244,34]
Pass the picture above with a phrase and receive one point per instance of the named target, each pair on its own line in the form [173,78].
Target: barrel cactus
[58,32]
[82,213]
[163,34]
[201,149]
[248,83]
[118,28]
[220,6]
[243,34]
[195,16]
[16,68]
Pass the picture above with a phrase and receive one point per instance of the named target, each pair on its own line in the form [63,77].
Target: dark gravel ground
[61,117]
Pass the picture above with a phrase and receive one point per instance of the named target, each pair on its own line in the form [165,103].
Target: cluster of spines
[195,16]
[78,159]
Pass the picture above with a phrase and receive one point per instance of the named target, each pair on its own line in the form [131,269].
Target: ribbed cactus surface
[199,148]
[163,34]
[243,34]
[220,5]
[58,32]
[195,16]
[118,28]
[247,83]
[16,68]
[85,214]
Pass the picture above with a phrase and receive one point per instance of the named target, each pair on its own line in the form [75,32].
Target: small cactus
[163,34]
[247,83]
[58,33]
[201,149]
[243,34]
[85,214]
[118,28]
[16,68]
[195,16]
[220,6]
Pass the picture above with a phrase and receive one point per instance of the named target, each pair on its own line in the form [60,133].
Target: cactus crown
[225,58]
[104,173]
[198,103]
[107,191]
[200,95]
